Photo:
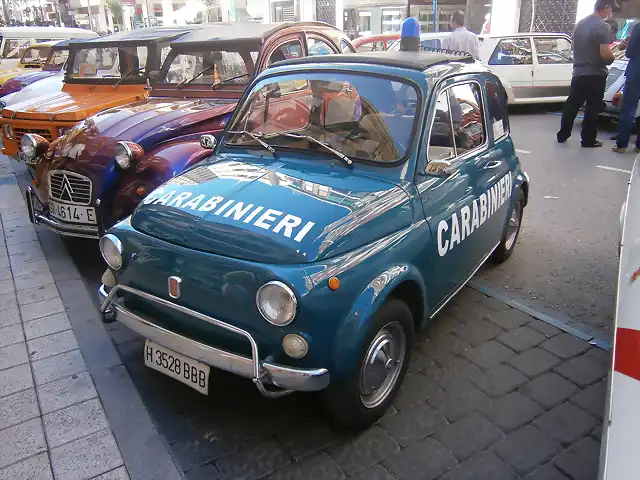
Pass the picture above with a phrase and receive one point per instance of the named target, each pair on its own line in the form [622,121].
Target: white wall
[504,16]
[585,7]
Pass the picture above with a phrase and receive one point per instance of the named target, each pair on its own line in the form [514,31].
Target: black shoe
[594,144]
[613,137]
[560,138]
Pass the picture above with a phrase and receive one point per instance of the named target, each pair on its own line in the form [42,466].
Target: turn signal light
[616,99]
[334,283]
[141,191]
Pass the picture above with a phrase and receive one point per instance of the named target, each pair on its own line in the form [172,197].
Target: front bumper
[41,216]
[265,375]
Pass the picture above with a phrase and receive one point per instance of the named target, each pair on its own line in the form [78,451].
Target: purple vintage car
[102,169]
[52,66]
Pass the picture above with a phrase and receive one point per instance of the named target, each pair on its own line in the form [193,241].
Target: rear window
[105,62]
[207,68]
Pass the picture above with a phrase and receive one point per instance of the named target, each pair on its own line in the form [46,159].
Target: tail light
[617,98]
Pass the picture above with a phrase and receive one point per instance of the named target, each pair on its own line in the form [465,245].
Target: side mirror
[208,141]
[439,168]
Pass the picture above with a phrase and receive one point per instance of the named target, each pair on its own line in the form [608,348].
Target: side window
[315,46]
[345,47]
[441,144]
[430,43]
[551,51]
[512,51]
[14,48]
[292,49]
[465,104]
[497,110]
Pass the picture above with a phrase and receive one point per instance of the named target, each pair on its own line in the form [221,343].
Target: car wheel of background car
[511,232]
[366,393]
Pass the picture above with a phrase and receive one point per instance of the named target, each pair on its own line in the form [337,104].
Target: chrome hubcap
[513,226]
[382,365]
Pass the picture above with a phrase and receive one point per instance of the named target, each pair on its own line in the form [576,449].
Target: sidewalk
[65,405]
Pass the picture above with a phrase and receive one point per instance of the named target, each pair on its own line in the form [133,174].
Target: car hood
[42,87]
[279,212]
[73,103]
[150,121]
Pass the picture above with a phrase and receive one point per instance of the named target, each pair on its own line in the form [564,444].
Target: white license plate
[186,370]
[72,213]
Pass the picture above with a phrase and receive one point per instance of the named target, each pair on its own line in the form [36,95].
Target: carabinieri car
[120,155]
[350,198]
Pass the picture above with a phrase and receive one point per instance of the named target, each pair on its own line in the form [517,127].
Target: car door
[552,68]
[512,61]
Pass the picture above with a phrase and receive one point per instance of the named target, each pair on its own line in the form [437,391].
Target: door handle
[492,165]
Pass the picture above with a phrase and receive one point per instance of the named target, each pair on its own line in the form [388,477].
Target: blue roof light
[410,27]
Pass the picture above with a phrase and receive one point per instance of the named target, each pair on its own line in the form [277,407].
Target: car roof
[64,44]
[137,37]
[375,38]
[43,44]
[410,60]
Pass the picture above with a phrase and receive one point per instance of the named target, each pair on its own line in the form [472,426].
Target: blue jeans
[630,98]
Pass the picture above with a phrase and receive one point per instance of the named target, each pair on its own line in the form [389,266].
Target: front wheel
[365,394]
[512,230]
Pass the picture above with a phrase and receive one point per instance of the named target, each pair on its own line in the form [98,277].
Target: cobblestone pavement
[491,394]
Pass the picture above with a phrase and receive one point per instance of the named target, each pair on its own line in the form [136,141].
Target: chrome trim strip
[286,378]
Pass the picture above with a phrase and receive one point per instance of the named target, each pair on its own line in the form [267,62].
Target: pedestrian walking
[461,39]
[591,55]
[630,93]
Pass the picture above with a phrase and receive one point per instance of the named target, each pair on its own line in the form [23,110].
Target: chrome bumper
[42,217]
[263,374]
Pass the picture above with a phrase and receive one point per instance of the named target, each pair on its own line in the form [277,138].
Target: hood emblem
[174,287]
[66,192]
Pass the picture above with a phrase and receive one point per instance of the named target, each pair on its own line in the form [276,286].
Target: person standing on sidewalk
[591,55]
[461,39]
[630,93]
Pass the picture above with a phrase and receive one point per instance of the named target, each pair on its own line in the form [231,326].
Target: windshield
[57,59]
[207,68]
[109,62]
[35,55]
[360,116]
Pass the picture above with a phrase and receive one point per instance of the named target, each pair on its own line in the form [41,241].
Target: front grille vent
[69,187]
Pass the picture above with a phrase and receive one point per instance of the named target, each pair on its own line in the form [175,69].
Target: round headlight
[8,130]
[277,303]
[123,155]
[28,146]
[111,249]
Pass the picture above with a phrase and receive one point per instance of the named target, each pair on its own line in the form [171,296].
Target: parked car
[431,40]
[122,154]
[346,204]
[533,67]
[101,73]
[42,87]
[54,63]
[375,43]
[31,61]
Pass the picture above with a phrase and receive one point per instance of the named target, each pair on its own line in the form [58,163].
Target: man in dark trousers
[591,55]
[630,93]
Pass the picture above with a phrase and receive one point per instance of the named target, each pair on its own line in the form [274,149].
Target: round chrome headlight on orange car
[277,303]
[7,130]
[32,146]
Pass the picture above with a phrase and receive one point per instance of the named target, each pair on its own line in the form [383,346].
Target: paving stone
[592,399]
[74,422]
[469,295]
[121,474]
[65,392]
[26,257]
[547,472]
[25,247]
[320,466]
[544,328]
[479,332]
[580,461]
[30,268]
[20,234]
[21,441]
[461,400]
[193,452]
[526,448]
[489,354]
[494,304]
[444,348]
[57,367]
[549,390]
[33,280]
[565,346]
[499,380]
[41,309]
[443,325]
[453,372]
[512,411]
[253,462]
[18,408]
[8,301]
[46,326]
[37,294]
[33,468]
[376,472]
[419,362]
[582,370]
[9,316]
[306,439]
[6,286]
[10,335]
[468,436]
[13,355]
[364,450]
[424,460]
[87,457]
[417,388]
[483,466]
[203,472]
[521,338]
[53,344]
[599,355]
[534,362]
[470,312]
[5,273]
[15,379]
[566,423]
[412,424]
[510,319]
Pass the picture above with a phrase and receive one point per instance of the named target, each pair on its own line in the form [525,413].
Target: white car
[533,67]
[614,86]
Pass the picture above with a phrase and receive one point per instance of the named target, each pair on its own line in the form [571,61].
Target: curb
[144,451]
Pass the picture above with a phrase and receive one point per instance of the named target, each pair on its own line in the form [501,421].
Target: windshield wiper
[222,82]
[198,75]
[309,138]
[256,137]
[128,74]
[108,75]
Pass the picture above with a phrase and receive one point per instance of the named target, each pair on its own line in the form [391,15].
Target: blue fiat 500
[349,199]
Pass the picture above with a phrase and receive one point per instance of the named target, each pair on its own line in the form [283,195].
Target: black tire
[342,399]
[505,247]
